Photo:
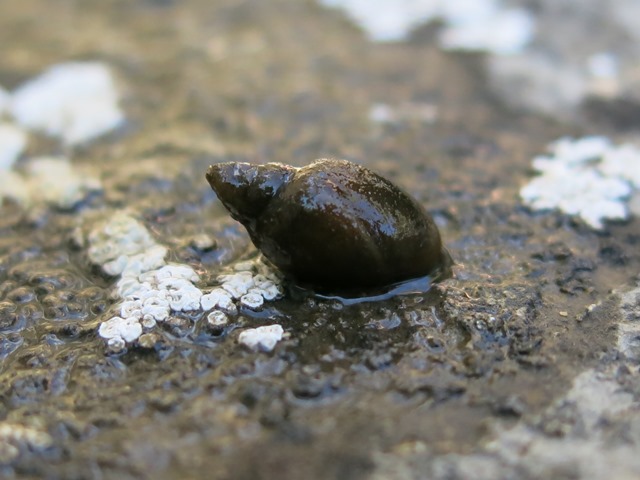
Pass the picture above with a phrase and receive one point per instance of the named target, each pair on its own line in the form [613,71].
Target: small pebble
[203,242]
[217,318]
[148,322]
[252,300]
[116,344]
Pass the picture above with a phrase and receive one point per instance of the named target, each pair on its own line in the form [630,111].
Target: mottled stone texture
[453,384]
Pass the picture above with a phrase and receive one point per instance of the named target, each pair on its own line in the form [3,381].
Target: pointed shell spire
[246,189]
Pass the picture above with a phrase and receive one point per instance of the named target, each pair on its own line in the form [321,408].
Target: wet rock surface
[531,349]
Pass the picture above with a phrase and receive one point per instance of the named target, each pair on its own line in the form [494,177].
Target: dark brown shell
[332,224]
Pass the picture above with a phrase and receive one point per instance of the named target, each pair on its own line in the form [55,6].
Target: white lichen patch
[244,266]
[268,285]
[151,291]
[73,101]
[389,20]
[4,101]
[252,300]
[629,328]
[127,329]
[13,186]
[121,243]
[491,27]
[54,181]
[123,246]
[262,338]
[385,113]
[237,284]
[217,318]
[76,102]
[171,288]
[622,162]
[14,437]
[13,140]
[469,24]
[48,181]
[218,298]
[252,283]
[589,177]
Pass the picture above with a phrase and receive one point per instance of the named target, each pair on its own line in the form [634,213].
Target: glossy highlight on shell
[332,225]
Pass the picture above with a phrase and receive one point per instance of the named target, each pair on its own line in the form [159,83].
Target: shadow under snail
[332,225]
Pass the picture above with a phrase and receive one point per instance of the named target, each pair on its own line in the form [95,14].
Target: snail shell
[332,224]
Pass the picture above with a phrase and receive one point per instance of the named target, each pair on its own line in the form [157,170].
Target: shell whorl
[332,223]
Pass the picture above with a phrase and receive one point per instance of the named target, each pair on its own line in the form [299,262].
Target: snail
[332,225]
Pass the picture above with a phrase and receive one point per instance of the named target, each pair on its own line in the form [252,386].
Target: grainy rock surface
[524,366]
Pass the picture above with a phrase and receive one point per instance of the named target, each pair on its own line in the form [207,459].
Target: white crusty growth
[262,338]
[14,436]
[121,243]
[12,142]
[588,177]
[151,290]
[54,181]
[468,24]
[49,181]
[74,101]
[4,101]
